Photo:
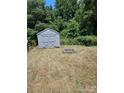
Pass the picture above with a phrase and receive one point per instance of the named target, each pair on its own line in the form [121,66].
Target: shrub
[31,33]
[64,33]
[83,32]
[42,26]
[30,21]
[31,37]
[81,40]
[69,42]
[38,14]
[73,29]
[87,40]
[60,23]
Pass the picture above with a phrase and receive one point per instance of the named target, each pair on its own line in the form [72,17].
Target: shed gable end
[48,31]
[48,38]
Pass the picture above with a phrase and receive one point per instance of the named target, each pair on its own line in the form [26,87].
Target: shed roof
[47,30]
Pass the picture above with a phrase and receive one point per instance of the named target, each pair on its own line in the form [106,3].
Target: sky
[50,2]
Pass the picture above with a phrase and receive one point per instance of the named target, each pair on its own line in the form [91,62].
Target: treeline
[75,20]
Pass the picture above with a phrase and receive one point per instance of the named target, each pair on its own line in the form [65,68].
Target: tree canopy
[72,18]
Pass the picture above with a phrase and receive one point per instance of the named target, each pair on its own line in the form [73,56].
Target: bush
[30,21]
[81,40]
[38,14]
[31,33]
[31,37]
[63,34]
[60,23]
[87,40]
[69,42]
[42,26]
[73,29]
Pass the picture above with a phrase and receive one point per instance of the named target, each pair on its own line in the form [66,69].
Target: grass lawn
[52,71]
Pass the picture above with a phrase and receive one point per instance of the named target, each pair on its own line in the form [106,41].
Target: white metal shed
[48,38]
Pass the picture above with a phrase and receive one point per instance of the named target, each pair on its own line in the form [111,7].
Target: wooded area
[75,20]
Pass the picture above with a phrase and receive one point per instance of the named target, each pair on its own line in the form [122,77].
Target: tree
[87,17]
[30,21]
[38,14]
[33,4]
[60,24]
[66,8]
[73,29]
[72,18]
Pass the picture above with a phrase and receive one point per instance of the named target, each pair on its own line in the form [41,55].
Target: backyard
[52,71]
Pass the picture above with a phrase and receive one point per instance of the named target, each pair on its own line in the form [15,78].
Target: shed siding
[48,39]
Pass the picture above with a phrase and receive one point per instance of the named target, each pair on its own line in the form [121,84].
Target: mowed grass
[52,71]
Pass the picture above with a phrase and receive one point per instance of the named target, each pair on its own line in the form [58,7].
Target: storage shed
[48,38]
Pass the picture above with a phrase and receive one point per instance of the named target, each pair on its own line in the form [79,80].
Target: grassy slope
[52,71]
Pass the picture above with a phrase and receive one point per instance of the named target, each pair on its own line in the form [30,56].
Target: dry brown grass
[52,71]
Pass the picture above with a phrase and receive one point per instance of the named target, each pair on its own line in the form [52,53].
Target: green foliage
[40,26]
[38,14]
[81,40]
[73,29]
[75,20]
[67,41]
[66,8]
[31,37]
[87,40]
[31,34]
[64,34]
[33,4]
[78,83]
[87,17]
[30,21]
[60,23]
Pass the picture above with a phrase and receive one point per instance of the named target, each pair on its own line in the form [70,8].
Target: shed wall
[48,40]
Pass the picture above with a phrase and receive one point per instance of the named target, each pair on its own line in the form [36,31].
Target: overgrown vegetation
[81,40]
[74,19]
[52,71]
